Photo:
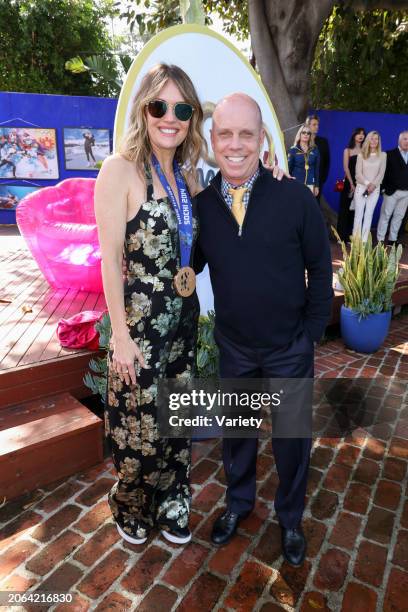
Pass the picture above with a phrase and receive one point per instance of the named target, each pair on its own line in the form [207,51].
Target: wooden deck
[32,362]
[31,359]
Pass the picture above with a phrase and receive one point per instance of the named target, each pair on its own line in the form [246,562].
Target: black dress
[345,217]
[153,473]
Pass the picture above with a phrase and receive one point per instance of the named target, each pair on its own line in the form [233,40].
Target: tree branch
[370,5]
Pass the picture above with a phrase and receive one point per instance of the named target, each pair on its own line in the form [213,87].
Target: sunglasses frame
[168,105]
[307,133]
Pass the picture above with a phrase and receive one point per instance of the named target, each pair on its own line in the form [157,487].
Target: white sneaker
[129,538]
[181,536]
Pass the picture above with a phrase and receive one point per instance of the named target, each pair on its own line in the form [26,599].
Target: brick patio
[62,538]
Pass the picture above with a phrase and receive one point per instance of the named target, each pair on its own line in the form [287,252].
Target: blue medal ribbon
[184,212]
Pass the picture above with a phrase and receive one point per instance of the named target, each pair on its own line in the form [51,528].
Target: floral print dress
[153,472]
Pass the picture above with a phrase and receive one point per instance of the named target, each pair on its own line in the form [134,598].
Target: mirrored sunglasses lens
[157,108]
[183,111]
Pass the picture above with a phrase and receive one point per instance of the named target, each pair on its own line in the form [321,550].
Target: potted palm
[368,277]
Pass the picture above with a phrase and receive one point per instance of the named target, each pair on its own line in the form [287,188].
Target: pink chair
[58,224]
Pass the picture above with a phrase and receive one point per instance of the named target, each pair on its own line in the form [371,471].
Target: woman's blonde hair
[136,145]
[297,137]
[365,149]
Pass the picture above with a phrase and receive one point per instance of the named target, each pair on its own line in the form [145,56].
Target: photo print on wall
[28,153]
[85,148]
[10,195]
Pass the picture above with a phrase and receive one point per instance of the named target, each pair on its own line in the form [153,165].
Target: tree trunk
[284,34]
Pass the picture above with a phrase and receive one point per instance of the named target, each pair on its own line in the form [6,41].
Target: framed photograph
[28,153]
[85,148]
[10,196]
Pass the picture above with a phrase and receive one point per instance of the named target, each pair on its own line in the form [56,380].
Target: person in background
[313,122]
[346,216]
[304,159]
[370,169]
[395,203]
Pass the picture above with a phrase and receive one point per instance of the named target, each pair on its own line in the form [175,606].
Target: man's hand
[316,191]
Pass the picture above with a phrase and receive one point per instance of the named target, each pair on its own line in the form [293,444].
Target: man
[395,182]
[312,121]
[266,318]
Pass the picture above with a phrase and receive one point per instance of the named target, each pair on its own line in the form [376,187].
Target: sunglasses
[158,108]
[304,132]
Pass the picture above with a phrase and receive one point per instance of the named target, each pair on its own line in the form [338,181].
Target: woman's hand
[352,187]
[370,187]
[125,354]
[277,172]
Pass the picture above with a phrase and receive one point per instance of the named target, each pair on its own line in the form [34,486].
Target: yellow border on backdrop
[156,41]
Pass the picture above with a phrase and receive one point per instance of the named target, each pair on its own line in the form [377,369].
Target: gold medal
[306,167]
[185,281]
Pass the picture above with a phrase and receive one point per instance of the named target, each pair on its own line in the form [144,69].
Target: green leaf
[76,65]
[192,11]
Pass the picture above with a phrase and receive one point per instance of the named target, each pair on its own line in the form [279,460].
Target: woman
[154,316]
[370,169]
[304,159]
[345,216]
[89,142]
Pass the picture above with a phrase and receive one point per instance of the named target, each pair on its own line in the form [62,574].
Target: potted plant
[368,277]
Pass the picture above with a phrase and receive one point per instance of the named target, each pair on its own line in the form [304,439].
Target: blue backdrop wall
[57,112]
[337,127]
[49,111]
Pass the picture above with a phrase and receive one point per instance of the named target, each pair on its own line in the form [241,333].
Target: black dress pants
[296,360]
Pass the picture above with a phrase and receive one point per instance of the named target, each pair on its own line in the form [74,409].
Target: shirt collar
[225,185]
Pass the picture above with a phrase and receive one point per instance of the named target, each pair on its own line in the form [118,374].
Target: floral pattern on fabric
[153,473]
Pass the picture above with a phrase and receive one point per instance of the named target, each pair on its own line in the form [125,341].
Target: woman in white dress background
[370,169]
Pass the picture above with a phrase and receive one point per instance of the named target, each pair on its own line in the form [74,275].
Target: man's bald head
[237,136]
[238,99]
[403,140]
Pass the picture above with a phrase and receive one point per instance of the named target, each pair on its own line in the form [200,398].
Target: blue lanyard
[185,215]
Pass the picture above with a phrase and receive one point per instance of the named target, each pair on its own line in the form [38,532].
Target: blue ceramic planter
[366,335]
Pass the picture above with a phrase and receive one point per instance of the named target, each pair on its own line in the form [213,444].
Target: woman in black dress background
[346,216]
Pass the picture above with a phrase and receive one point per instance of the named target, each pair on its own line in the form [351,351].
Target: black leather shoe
[293,546]
[225,527]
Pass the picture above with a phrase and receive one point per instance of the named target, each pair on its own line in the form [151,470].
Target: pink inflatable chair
[58,224]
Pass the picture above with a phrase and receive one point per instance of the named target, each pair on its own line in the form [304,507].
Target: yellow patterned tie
[238,208]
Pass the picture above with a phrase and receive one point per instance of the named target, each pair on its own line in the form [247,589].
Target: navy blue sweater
[258,278]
